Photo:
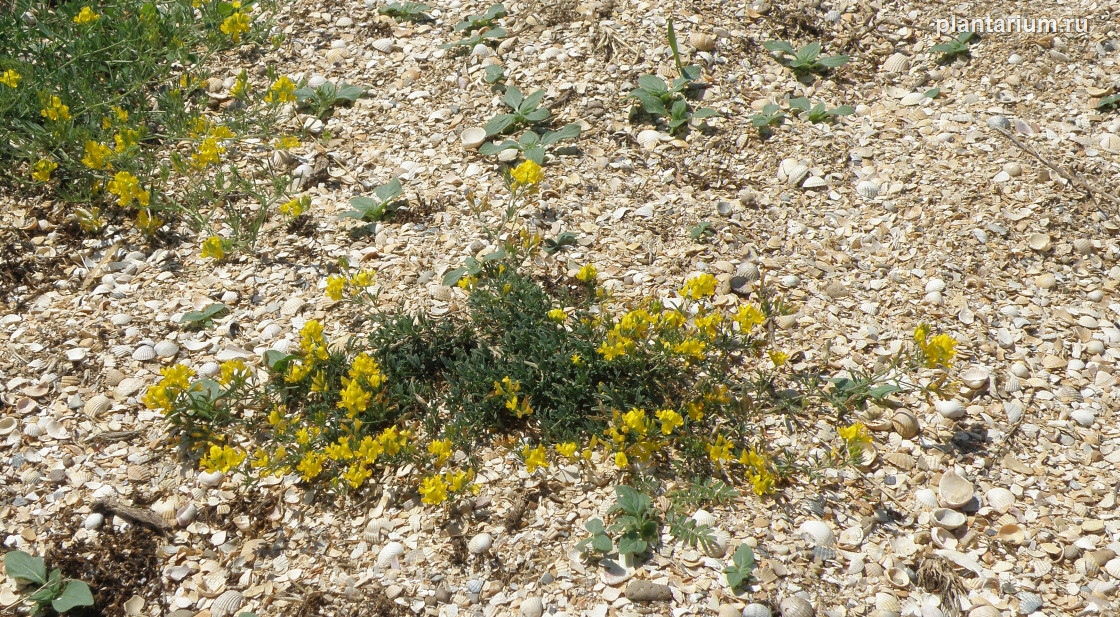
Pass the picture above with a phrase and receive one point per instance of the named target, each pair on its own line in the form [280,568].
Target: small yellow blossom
[235,25]
[749,316]
[10,78]
[355,475]
[366,368]
[353,398]
[458,480]
[362,279]
[467,282]
[433,490]
[854,434]
[576,359]
[634,421]
[441,449]
[209,153]
[669,420]
[311,465]
[587,274]
[620,460]
[528,173]
[127,189]
[233,370]
[779,358]
[295,206]
[125,139]
[286,142]
[41,170]
[699,287]
[534,458]
[120,113]
[96,155]
[283,90]
[939,350]
[240,85]
[691,348]
[222,458]
[567,449]
[86,16]
[335,286]
[719,450]
[558,315]
[762,482]
[213,247]
[56,110]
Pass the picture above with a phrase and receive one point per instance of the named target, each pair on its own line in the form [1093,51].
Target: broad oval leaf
[653,84]
[568,131]
[389,190]
[498,124]
[18,564]
[780,46]
[75,593]
[513,97]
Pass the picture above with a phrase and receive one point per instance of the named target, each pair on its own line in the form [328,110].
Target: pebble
[646,591]
[93,521]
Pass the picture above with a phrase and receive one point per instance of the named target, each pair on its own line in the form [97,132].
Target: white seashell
[390,554]
[1029,602]
[1112,566]
[850,538]
[814,182]
[133,606]
[926,497]
[816,532]
[1110,142]
[881,613]
[210,479]
[93,521]
[792,171]
[702,41]
[209,369]
[887,602]
[1011,534]
[227,603]
[649,139]
[721,540]
[508,155]
[948,519]
[943,538]
[896,63]
[32,429]
[951,409]
[165,510]
[480,543]
[144,353]
[475,586]
[166,349]
[898,577]
[54,429]
[868,189]
[976,376]
[984,610]
[755,609]
[1039,242]
[1000,499]
[954,491]
[703,517]
[795,606]
[186,515]
[905,424]
[532,607]
[77,354]
[472,137]
[7,425]
[383,45]
[316,80]
[97,405]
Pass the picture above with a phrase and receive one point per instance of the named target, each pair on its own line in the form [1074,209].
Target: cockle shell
[850,538]
[480,543]
[951,409]
[648,139]
[868,189]
[1113,568]
[390,554]
[7,425]
[720,542]
[97,405]
[795,606]
[703,517]
[896,63]
[756,610]
[943,538]
[816,532]
[976,377]
[905,424]
[954,491]
[898,577]
[887,602]
[227,603]
[984,610]
[1000,499]
[948,518]
[1011,534]
[472,137]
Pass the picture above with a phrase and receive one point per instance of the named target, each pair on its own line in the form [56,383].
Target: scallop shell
[954,491]
[165,510]
[901,460]
[926,497]
[703,517]
[898,577]
[1029,602]
[390,554]
[795,606]
[755,609]
[1113,568]
[721,540]
[948,518]
[1011,534]
[896,63]
[1039,242]
[144,353]
[943,538]
[480,543]
[649,139]
[887,602]
[984,610]
[7,425]
[816,532]
[227,603]
[210,479]
[186,515]
[905,424]
[868,189]
[1000,499]
[97,405]
[166,349]
[702,41]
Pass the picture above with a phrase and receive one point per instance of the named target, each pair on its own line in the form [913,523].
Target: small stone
[646,591]
[93,521]
[999,122]
[344,22]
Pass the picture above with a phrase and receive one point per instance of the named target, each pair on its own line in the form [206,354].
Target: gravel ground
[988,210]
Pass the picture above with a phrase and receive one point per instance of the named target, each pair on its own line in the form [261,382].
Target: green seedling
[741,568]
[407,11]
[956,47]
[481,22]
[526,111]
[55,592]
[636,521]
[559,243]
[599,541]
[198,320]
[321,99]
[806,60]
[770,116]
[1110,102]
[532,144]
[494,75]
[818,113]
[670,100]
[376,208]
[700,230]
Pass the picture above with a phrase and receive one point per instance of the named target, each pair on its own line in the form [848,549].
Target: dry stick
[1071,177]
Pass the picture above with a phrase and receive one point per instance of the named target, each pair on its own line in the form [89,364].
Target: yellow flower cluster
[176,380]
[232,372]
[213,247]
[535,458]
[938,350]
[587,274]
[41,170]
[286,142]
[10,78]
[528,173]
[435,489]
[235,25]
[283,90]
[295,206]
[699,287]
[509,391]
[125,139]
[759,471]
[55,110]
[558,315]
[147,222]
[339,285]
[86,16]
[97,155]
[209,152]
[127,189]
[222,458]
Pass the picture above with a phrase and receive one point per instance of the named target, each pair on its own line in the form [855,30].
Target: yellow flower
[940,351]
[10,78]
[433,490]
[354,398]
[355,475]
[85,16]
[566,449]
[779,358]
[261,459]
[458,480]
[441,449]
[56,110]
[467,282]
[286,142]
[576,359]
[41,170]
[126,138]
[557,315]
[311,465]
[335,286]
[295,206]
[340,450]
[587,274]
[534,458]
[233,370]
[393,441]
[276,417]
[854,434]
[708,324]
[363,279]
[235,25]
[209,152]
[297,371]
[119,112]
[720,450]
[127,189]
[620,460]
[749,316]
[365,367]
[762,482]
[370,449]
[240,85]
[89,219]
[691,348]
[222,458]
[669,420]
[634,421]
[699,287]
[177,376]
[96,155]
[528,173]
[213,247]
[283,90]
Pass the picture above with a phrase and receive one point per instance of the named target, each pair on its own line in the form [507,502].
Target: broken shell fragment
[954,491]
[948,518]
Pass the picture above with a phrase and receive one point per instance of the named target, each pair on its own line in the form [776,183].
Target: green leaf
[537,115]
[349,92]
[494,33]
[1111,100]
[843,110]
[493,73]
[650,103]
[490,148]
[705,112]
[211,311]
[389,190]
[884,390]
[800,103]
[744,558]
[595,525]
[933,93]
[949,48]
[691,72]
[568,131]
[630,544]
[513,97]
[499,124]
[532,101]
[833,61]
[966,36]
[535,154]
[451,277]
[602,543]
[277,361]
[18,564]
[780,46]
[809,52]
[653,84]
[75,593]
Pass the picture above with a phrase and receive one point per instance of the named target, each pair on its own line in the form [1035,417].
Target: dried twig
[1076,180]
